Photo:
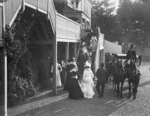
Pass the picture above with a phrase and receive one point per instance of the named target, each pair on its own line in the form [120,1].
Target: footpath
[37,101]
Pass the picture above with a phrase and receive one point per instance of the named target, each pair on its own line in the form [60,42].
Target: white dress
[58,78]
[87,83]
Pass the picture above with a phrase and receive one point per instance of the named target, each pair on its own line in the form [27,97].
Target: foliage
[130,24]
[134,19]
[45,63]
[19,89]
[103,17]
[20,83]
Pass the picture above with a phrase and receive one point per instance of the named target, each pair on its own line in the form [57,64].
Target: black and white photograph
[74,57]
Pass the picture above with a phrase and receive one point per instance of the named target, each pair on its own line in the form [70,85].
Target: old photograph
[74,57]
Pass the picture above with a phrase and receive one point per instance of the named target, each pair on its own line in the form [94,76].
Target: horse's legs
[118,83]
[121,89]
[129,89]
[135,89]
[115,84]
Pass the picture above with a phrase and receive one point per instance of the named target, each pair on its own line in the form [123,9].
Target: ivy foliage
[20,71]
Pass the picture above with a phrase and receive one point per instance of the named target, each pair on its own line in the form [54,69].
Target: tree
[134,19]
[103,17]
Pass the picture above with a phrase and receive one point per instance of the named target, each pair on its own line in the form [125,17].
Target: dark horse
[130,73]
[118,76]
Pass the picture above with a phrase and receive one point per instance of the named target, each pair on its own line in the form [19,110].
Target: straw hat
[87,64]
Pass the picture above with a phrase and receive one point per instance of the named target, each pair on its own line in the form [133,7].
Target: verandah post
[54,64]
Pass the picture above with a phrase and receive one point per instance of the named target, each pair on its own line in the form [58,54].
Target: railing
[11,7]
[32,2]
[67,30]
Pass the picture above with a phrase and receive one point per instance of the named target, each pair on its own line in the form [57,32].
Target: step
[41,100]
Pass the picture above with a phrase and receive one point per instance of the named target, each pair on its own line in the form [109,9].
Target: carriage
[124,56]
[133,80]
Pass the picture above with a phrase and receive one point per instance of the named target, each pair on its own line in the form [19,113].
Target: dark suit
[131,54]
[101,75]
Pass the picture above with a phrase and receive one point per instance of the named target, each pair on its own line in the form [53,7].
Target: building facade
[59,37]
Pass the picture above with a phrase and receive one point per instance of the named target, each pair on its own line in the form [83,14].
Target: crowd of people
[81,84]
[78,78]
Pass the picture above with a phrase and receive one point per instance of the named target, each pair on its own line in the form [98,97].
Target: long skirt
[87,88]
[74,89]
[66,86]
[58,79]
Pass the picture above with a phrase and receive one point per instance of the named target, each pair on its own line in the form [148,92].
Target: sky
[116,3]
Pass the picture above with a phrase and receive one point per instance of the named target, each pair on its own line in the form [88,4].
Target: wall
[11,6]
[67,30]
[112,48]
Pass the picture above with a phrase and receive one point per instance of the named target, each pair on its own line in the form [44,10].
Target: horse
[132,74]
[109,67]
[118,79]
[135,81]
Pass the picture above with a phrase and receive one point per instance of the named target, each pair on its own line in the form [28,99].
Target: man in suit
[131,54]
[102,75]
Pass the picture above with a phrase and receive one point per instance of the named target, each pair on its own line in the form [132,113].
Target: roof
[124,56]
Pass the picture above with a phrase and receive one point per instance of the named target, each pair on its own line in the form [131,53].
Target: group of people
[80,80]
[77,84]
[81,85]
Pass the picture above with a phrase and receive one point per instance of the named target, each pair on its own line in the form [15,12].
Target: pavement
[40,100]
[109,105]
[140,106]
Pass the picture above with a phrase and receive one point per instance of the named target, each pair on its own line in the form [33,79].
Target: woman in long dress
[87,83]
[58,78]
[74,88]
[71,62]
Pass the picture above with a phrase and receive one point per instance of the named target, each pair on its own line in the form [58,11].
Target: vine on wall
[20,72]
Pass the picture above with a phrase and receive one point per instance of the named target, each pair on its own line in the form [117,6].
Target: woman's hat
[87,64]
[72,67]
